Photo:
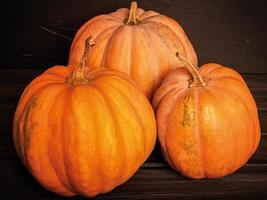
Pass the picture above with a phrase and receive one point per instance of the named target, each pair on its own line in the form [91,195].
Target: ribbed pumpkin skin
[145,51]
[83,139]
[206,132]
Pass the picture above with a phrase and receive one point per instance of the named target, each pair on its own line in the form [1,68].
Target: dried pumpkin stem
[197,78]
[78,76]
[132,19]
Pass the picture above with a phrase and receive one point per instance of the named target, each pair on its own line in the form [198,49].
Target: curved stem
[78,76]
[132,19]
[197,78]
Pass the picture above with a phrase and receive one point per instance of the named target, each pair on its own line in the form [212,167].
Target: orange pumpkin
[138,43]
[207,120]
[83,132]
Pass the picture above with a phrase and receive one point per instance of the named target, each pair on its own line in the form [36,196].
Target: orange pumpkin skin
[145,50]
[86,138]
[206,132]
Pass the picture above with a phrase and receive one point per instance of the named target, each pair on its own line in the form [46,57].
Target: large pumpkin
[207,120]
[83,132]
[138,43]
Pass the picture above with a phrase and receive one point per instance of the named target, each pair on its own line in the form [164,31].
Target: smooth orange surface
[206,132]
[143,51]
[86,138]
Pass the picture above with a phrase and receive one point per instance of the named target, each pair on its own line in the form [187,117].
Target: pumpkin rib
[84,34]
[133,114]
[220,71]
[130,69]
[165,45]
[115,121]
[65,182]
[103,63]
[245,106]
[58,70]
[157,72]
[197,131]
[152,56]
[172,23]
[54,75]
[105,31]
[171,106]
[125,96]
[120,92]
[180,33]
[26,95]
[88,23]
[91,22]
[19,114]
[173,32]
[218,98]
[25,119]
[100,162]
[247,109]
[121,39]
[121,76]
[164,41]
[139,12]
[121,11]
[130,103]
[66,106]
[150,13]
[207,70]
[235,150]
[141,70]
[170,92]
[66,185]
[167,154]
[227,78]
[234,163]
[29,146]
[150,17]
[71,153]
[102,40]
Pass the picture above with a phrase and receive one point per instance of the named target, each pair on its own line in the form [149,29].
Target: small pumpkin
[207,120]
[136,42]
[83,132]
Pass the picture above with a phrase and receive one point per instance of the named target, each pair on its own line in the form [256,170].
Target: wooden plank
[157,183]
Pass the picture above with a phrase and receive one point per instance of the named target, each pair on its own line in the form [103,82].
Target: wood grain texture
[155,183]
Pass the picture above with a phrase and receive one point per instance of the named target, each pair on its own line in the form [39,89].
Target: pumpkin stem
[197,78]
[78,76]
[132,19]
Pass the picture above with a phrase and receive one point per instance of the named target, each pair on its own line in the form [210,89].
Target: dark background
[38,34]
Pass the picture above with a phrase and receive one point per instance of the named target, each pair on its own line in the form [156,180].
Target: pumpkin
[207,120]
[83,131]
[138,43]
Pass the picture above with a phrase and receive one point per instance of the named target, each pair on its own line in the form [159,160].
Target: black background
[37,35]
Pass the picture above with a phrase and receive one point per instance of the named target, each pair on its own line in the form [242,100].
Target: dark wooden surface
[38,35]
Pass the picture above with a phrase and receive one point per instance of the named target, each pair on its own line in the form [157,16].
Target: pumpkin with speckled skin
[209,130]
[139,43]
[83,137]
